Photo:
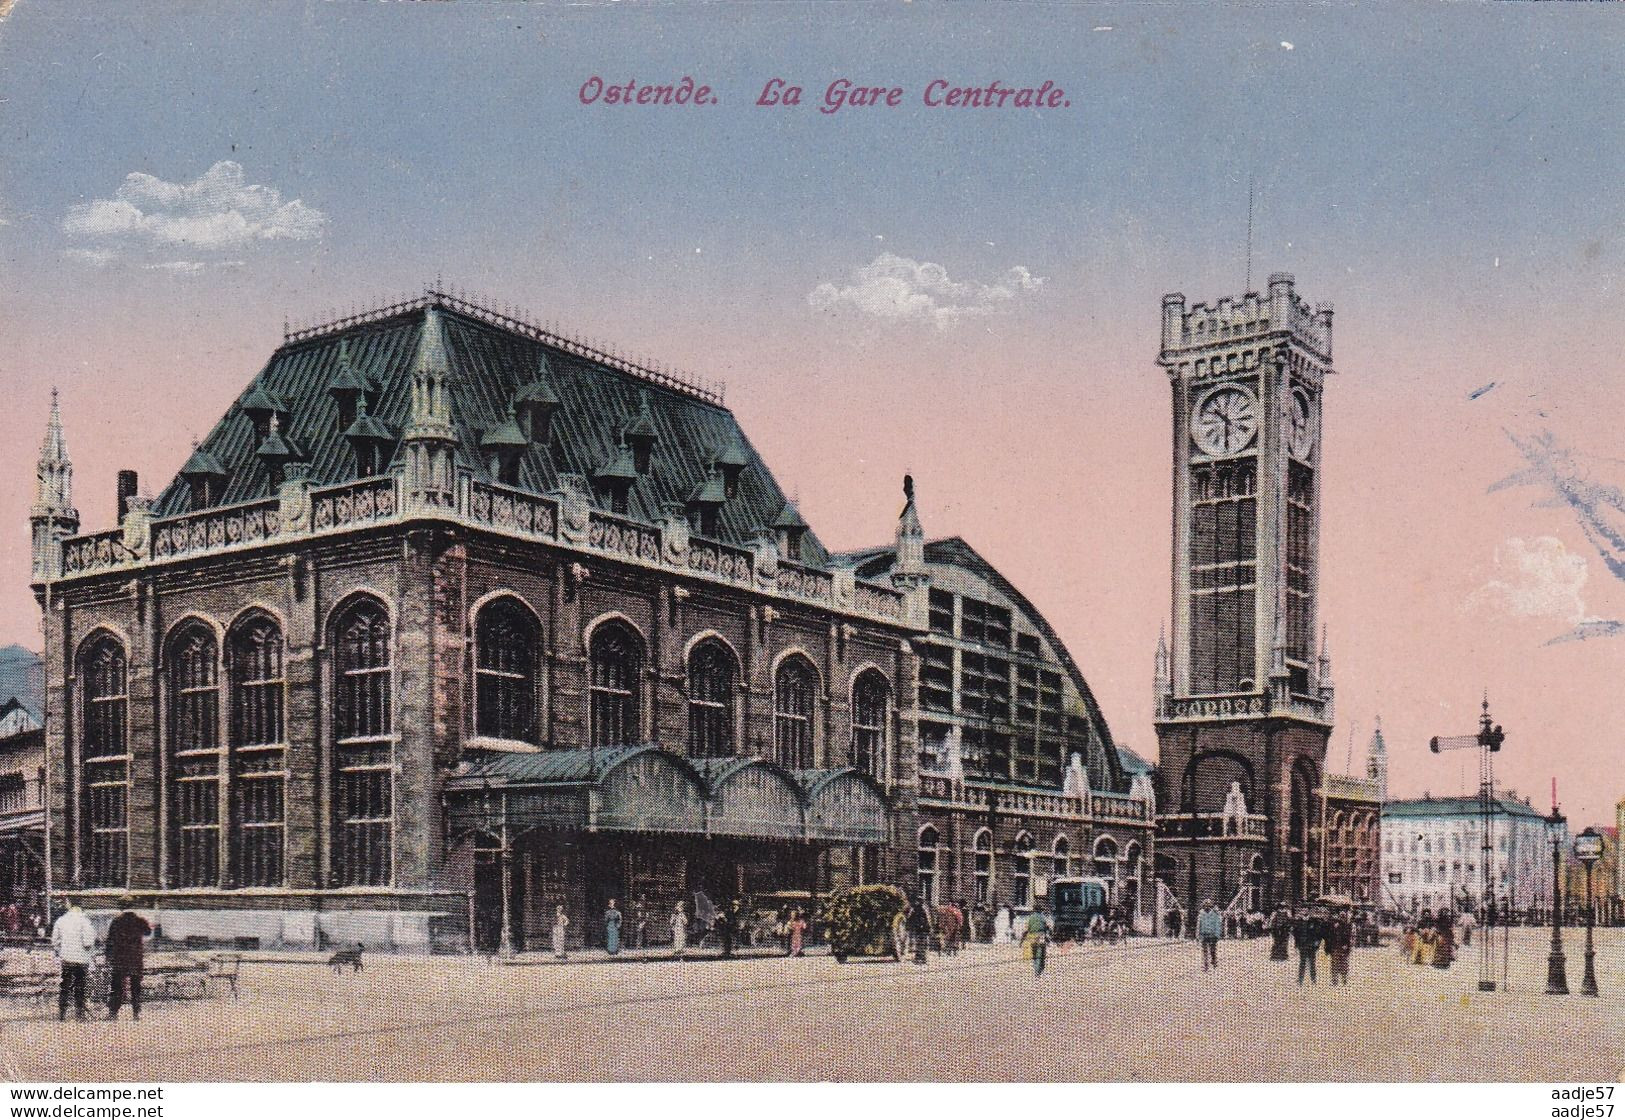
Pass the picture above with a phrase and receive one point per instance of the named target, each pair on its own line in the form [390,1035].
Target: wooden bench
[222,970]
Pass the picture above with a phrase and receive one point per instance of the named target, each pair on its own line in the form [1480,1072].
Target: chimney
[126,490]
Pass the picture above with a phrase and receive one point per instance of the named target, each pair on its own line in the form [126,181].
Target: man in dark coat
[1306,936]
[126,957]
[1339,943]
[1280,933]
[919,928]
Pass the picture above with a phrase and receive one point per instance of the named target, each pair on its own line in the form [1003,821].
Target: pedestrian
[1339,944]
[74,939]
[1035,941]
[729,919]
[1444,946]
[917,922]
[1306,936]
[1001,925]
[1467,924]
[640,924]
[797,925]
[679,930]
[612,929]
[126,957]
[1209,927]
[1280,933]
[951,919]
[561,926]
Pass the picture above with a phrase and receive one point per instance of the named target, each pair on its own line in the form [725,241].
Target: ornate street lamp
[1557,977]
[1588,850]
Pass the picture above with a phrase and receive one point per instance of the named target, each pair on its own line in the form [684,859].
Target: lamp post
[1588,850]
[1557,978]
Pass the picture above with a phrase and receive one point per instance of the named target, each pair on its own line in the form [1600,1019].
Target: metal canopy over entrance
[648,789]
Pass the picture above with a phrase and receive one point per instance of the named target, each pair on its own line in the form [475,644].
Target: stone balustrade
[1192,826]
[1038,803]
[300,511]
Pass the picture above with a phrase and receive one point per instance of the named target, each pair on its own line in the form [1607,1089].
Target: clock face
[1225,420]
[1301,425]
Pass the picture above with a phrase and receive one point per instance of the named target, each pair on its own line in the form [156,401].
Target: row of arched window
[1025,863]
[616,654]
[226,778]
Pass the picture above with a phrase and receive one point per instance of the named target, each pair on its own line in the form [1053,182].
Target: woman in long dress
[612,929]
[679,930]
[797,926]
[1001,925]
[561,924]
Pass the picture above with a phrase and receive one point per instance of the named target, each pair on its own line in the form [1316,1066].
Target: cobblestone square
[1143,1011]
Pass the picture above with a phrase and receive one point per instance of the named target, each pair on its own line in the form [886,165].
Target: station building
[451,620]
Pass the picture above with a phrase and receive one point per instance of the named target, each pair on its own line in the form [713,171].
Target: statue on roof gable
[1077,778]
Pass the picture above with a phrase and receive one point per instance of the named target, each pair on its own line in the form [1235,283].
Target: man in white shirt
[74,939]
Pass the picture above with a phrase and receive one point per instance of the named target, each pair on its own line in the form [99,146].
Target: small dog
[351,957]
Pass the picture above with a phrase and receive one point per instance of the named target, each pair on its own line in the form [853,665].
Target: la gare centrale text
[839,95]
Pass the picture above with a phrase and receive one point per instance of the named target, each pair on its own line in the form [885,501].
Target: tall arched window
[795,687]
[505,639]
[982,867]
[928,865]
[616,653]
[105,796]
[1106,864]
[711,673]
[363,755]
[1061,858]
[194,756]
[871,704]
[1024,870]
[258,752]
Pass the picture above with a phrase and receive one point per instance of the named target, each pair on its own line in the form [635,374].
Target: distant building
[1604,879]
[22,808]
[1353,832]
[1432,854]
[1020,781]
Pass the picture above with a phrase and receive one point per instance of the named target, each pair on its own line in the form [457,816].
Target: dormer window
[789,528]
[371,440]
[639,435]
[349,387]
[262,407]
[535,406]
[731,463]
[705,504]
[276,452]
[503,448]
[205,478]
[615,478]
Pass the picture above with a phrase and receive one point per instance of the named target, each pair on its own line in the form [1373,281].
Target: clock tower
[1243,688]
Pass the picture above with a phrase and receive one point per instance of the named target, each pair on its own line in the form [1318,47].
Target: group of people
[1309,931]
[73,937]
[21,921]
[1431,939]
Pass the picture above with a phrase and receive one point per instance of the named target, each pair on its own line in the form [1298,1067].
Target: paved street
[1144,1011]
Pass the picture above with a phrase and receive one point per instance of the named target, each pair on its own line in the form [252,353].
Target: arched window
[795,687]
[982,867]
[928,865]
[505,640]
[194,756]
[258,752]
[616,653]
[1061,857]
[105,797]
[871,705]
[711,672]
[1024,870]
[1106,864]
[363,756]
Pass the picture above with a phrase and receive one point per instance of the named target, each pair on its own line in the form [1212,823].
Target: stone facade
[156,787]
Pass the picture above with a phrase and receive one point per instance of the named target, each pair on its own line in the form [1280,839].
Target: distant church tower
[1245,695]
[1376,761]
[52,518]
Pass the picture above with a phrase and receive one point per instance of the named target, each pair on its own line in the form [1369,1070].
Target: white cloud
[217,212]
[1537,578]
[901,290]
[100,258]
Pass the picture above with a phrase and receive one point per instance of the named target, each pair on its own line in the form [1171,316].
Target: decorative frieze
[215,530]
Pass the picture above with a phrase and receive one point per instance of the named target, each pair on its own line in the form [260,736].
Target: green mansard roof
[491,368]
